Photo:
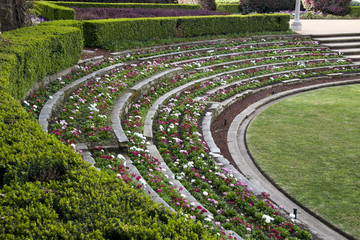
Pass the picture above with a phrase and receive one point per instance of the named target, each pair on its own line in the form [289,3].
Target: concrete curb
[238,150]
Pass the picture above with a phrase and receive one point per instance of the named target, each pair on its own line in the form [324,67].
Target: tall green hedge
[99,32]
[40,51]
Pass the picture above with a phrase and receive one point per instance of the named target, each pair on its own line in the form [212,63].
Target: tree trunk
[13,14]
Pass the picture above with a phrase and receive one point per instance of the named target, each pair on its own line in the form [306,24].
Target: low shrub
[266,6]
[230,8]
[52,11]
[339,7]
[355,11]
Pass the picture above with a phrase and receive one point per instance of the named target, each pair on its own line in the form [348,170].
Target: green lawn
[310,145]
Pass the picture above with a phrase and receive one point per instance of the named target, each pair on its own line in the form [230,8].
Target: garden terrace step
[319,48]
[220,48]
[342,45]
[240,155]
[272,74]
[348,51]
[338,39]
[195,43]
[239,62]
[50,106]
[171,176]
[215,152]
[126,100]
[147,189]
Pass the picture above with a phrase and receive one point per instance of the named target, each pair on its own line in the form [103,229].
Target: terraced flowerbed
[163,93]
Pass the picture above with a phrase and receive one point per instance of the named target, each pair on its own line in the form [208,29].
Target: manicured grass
[310,145]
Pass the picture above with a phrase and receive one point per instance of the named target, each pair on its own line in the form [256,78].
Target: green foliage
[231,8]
[88,204]
[355,11]
[101,32]
[210,25]
[53,11]
[126,5]
[40,51]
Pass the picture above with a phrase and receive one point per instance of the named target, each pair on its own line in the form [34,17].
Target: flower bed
[178,135]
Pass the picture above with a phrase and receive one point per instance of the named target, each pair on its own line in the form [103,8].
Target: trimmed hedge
[127,5]
[40,51]
[53,11]
[355,11]
[230,8]
[98,33]
[46,190]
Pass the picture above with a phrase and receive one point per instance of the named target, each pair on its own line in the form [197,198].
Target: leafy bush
[208,4]
[213,25]
[106,13]
[41,50]
[339,7]
[53,11]
[100,32]
[267,6]
[230,8]
[355,11]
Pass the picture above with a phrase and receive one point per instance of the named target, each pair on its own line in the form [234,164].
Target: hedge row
[127,5]
[230,8]
[46,190]
[355,11]
[53,11]
[63,10]
[40,51]
[98,33]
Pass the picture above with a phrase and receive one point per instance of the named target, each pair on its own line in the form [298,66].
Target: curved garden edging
[240,155]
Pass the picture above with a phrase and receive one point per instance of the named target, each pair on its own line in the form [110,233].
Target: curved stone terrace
[189,69]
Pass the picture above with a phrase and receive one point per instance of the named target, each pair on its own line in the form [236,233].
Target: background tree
[335,7]
[208,4]
[14,14]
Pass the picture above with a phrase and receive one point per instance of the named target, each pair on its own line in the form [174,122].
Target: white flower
[268,219]
[205,193]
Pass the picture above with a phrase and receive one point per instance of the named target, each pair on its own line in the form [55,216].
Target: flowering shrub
[338,7]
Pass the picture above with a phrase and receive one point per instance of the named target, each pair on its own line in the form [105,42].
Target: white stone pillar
[296,24]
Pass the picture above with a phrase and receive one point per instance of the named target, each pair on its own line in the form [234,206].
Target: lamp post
[296,24]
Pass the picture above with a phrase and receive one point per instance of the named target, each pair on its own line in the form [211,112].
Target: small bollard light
[295,213]
[225,122]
